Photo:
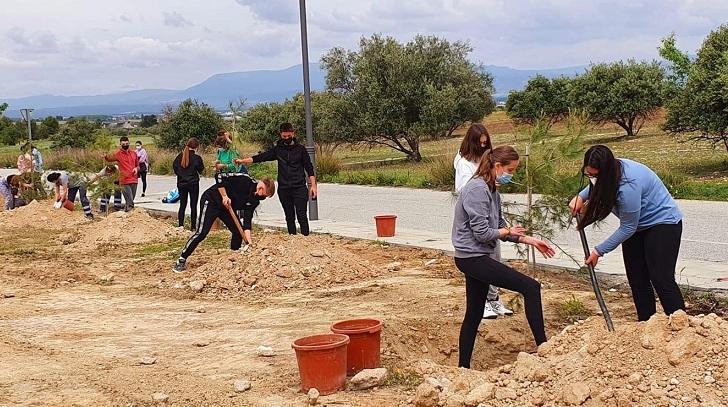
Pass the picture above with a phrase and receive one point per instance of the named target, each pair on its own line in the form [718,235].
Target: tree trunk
[414,144]
[627,126]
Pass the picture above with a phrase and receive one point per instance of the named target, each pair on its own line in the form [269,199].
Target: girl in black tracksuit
[231,192]
[188,166]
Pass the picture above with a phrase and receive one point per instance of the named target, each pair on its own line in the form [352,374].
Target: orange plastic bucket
[365,335]
[385,225]
[68,204]
[322,362]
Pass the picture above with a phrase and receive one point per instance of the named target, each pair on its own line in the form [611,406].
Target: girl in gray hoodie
[477,225]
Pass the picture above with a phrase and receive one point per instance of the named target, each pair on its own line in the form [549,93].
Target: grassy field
[691,170]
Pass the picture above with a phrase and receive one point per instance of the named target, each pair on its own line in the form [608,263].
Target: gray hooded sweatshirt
[478,217]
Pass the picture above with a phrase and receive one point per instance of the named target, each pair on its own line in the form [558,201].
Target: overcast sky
[80,47]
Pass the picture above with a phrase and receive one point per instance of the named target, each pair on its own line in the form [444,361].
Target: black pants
[480,272]
[209,211]
[191,191]
[650,257]
[295,204]
[81,191]
[143,176]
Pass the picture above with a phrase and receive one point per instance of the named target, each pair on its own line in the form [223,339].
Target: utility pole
[26,115]
[310,146]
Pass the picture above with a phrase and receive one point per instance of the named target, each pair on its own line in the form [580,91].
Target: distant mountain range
[218,90]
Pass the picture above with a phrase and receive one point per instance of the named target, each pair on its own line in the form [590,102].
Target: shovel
[238,226]
[594,281]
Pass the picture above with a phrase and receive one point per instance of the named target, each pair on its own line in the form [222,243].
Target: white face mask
[593,180]
[138,147]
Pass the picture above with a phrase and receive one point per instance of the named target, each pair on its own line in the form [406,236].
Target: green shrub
[327,165]
[441,172]
[572,310]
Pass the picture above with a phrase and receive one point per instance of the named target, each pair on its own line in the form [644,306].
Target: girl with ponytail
[478,224]
[188,167]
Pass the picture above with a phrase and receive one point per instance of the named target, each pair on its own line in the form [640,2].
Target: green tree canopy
[189,119]
[48,127]
[624,93]
[542,99]
[397,93]
[699,100]
[148,120]
[9,132]
[77,133]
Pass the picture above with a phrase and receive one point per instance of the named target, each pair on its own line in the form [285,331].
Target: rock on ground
[427,395]
[368,378]
[480,394]
[313,396]
[160,397]
[198,285]
[265,351]
[241,385]
[576,393]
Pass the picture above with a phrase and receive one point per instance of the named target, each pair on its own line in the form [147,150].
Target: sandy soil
[79,312]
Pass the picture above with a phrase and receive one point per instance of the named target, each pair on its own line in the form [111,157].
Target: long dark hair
[503,154]
[603,194]
[192,144]
[470,148]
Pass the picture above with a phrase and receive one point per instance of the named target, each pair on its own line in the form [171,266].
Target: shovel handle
[594,281]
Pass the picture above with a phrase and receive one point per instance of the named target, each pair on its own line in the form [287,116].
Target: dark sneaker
[180,266]
[90,216]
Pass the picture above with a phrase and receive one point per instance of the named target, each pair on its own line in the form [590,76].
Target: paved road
[705,236]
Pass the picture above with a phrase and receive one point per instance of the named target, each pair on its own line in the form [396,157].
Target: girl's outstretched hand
[543,247]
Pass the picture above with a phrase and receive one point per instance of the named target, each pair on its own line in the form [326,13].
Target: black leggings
[650,257]
[295,203]
[480,272]
[209,211]
[193,191]
[143,176]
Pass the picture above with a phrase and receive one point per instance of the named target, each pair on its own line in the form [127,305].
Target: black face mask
[289,141]
[126,147]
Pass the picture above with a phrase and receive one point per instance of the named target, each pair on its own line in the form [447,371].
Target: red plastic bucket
[68,204]
[365,335]
[322,362]
[385,225]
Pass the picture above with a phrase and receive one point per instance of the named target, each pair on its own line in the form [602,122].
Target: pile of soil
[680,360]
[279,261]
[41,215]
[135,227]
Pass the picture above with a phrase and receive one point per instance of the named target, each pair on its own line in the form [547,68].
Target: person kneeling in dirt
[477,225]
[10,191]
[232,192]
[71,185]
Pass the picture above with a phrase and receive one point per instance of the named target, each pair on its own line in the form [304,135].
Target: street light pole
[310,146]
[26,115]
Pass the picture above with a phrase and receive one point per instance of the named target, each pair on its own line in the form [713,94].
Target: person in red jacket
[128,163]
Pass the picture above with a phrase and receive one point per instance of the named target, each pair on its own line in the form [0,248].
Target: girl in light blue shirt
[650,226]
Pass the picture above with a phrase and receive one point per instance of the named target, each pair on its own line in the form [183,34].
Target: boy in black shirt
[293,166]
[236,191]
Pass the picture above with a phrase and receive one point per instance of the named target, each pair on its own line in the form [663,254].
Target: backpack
[172,196]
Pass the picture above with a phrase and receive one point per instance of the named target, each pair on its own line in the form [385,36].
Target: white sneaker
[488,313]
[499,308]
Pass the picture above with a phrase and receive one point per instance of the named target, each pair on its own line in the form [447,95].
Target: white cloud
[39,42]
[175,19]
[76,47]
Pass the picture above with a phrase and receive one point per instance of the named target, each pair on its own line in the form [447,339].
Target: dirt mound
[41,214]
[679,360]
[278,261]
[135,227]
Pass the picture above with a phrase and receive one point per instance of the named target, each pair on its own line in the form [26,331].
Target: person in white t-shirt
[475,143]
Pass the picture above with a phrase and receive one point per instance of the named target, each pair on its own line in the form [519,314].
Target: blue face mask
[504,178]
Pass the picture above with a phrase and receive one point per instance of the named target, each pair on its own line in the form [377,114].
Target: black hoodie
[190,175]
[293,163]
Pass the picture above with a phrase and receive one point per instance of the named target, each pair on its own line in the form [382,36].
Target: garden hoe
[594,281]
